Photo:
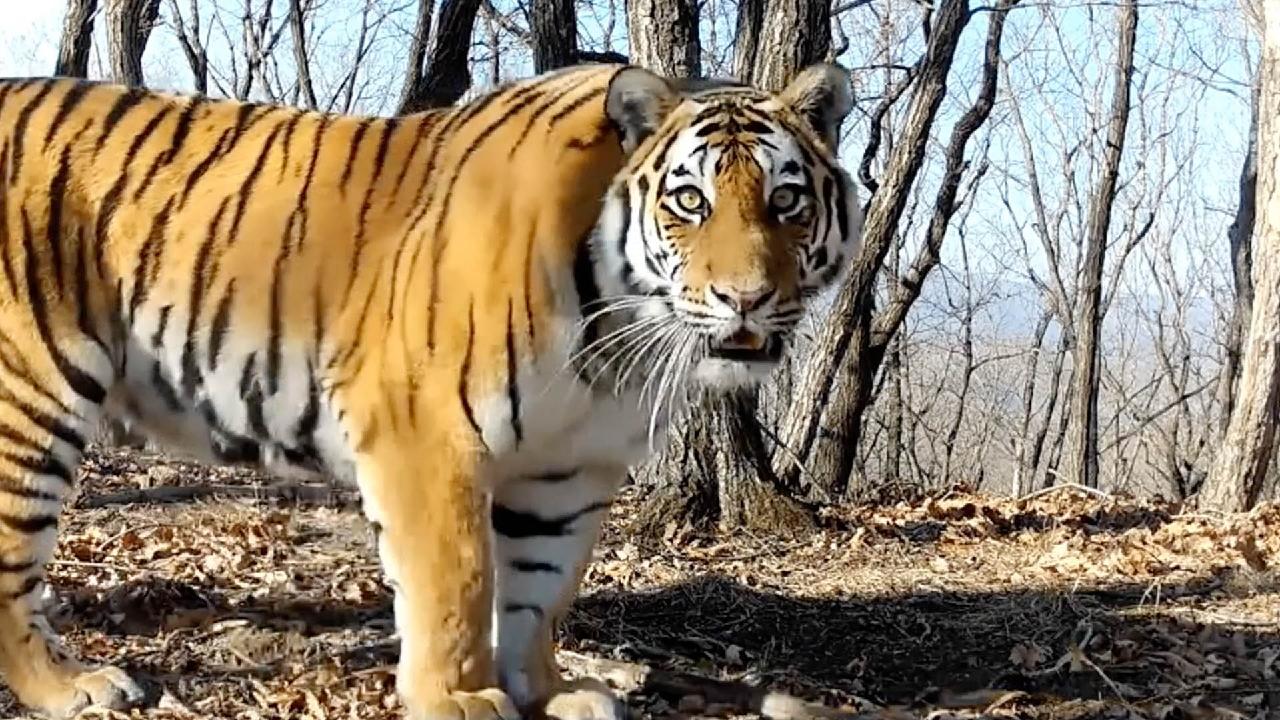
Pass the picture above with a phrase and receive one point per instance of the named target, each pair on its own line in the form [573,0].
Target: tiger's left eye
[691,200]
[784,199]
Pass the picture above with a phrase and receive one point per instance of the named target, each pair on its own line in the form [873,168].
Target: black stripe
[512,608]
[219,148]
[586,97]
[180,132]
[250,180]
[357,138]
[125,101]
[111,201]
[16,568]
[424,124]
[379,162]
[517,524]
[287,141]
[466,371]
[157,336]
[554,476]
[80,381]
[28,586]
[456,119]
[535,566]
[42,463]
[164,389]
[28,525]
[310,418]
[147,257]
[537,113]
[513,385]
[584,281]
[221,321]
[274,311]
[10,275]
[251,394]
[519,100]
[20,131]
[53,228]
[201,279]
[304,197]
[69,102]
[528,285]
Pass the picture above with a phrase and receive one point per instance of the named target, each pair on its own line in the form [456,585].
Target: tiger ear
[821,95]
[637,103]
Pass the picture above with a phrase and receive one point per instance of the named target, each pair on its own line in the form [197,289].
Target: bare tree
[187,29]
[663,36]
[1082,429]
[129,25]
[1239,237]
[823,425]
[77,38]
[298,32]
[555,34]
[438,72]
[1239,470]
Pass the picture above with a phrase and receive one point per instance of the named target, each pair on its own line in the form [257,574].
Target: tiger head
[730,212]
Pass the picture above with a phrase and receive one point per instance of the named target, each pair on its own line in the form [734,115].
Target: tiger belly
[232,411]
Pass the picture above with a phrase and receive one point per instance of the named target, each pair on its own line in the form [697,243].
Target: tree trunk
[298,31]
[1081,458]
[1239,471]
[440,76]
[1240,236]
[555,34]
[129,24]
[663,36]
[793,34]
[77,38]
[824,423]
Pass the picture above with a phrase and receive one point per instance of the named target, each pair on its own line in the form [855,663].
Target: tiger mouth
[746,346]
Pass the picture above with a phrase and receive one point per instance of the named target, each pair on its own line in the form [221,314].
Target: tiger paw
[490,704]
[585,699]
[108,688]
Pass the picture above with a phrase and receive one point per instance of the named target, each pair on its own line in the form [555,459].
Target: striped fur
[480,315]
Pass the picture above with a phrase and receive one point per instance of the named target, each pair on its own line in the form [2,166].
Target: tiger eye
[784,199]
[690,199]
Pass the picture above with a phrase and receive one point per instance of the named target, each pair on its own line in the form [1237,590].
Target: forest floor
[232,596]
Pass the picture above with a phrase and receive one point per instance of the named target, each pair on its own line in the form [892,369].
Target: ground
[233,596]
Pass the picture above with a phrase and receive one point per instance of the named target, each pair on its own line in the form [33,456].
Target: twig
[185,493]
[1066,486]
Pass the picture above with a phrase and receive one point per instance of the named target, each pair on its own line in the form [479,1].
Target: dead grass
[266,602]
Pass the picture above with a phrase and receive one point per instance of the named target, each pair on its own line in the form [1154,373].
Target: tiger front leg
[546,525]
[433,540]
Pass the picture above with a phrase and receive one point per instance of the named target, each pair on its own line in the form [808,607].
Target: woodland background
[1058,268]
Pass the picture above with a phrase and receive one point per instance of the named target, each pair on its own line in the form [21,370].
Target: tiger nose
[742,301]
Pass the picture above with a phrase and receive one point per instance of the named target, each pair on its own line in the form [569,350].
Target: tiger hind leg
[41,442]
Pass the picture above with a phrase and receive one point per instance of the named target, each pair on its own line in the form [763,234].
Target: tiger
[480,315]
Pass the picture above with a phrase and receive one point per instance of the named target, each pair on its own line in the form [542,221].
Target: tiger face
[730,213]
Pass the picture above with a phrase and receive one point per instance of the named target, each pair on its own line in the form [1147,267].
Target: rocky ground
[232,596]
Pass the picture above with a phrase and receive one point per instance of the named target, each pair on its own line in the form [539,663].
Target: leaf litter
[230,595]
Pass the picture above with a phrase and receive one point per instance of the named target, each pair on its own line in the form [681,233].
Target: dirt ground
[233,596]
